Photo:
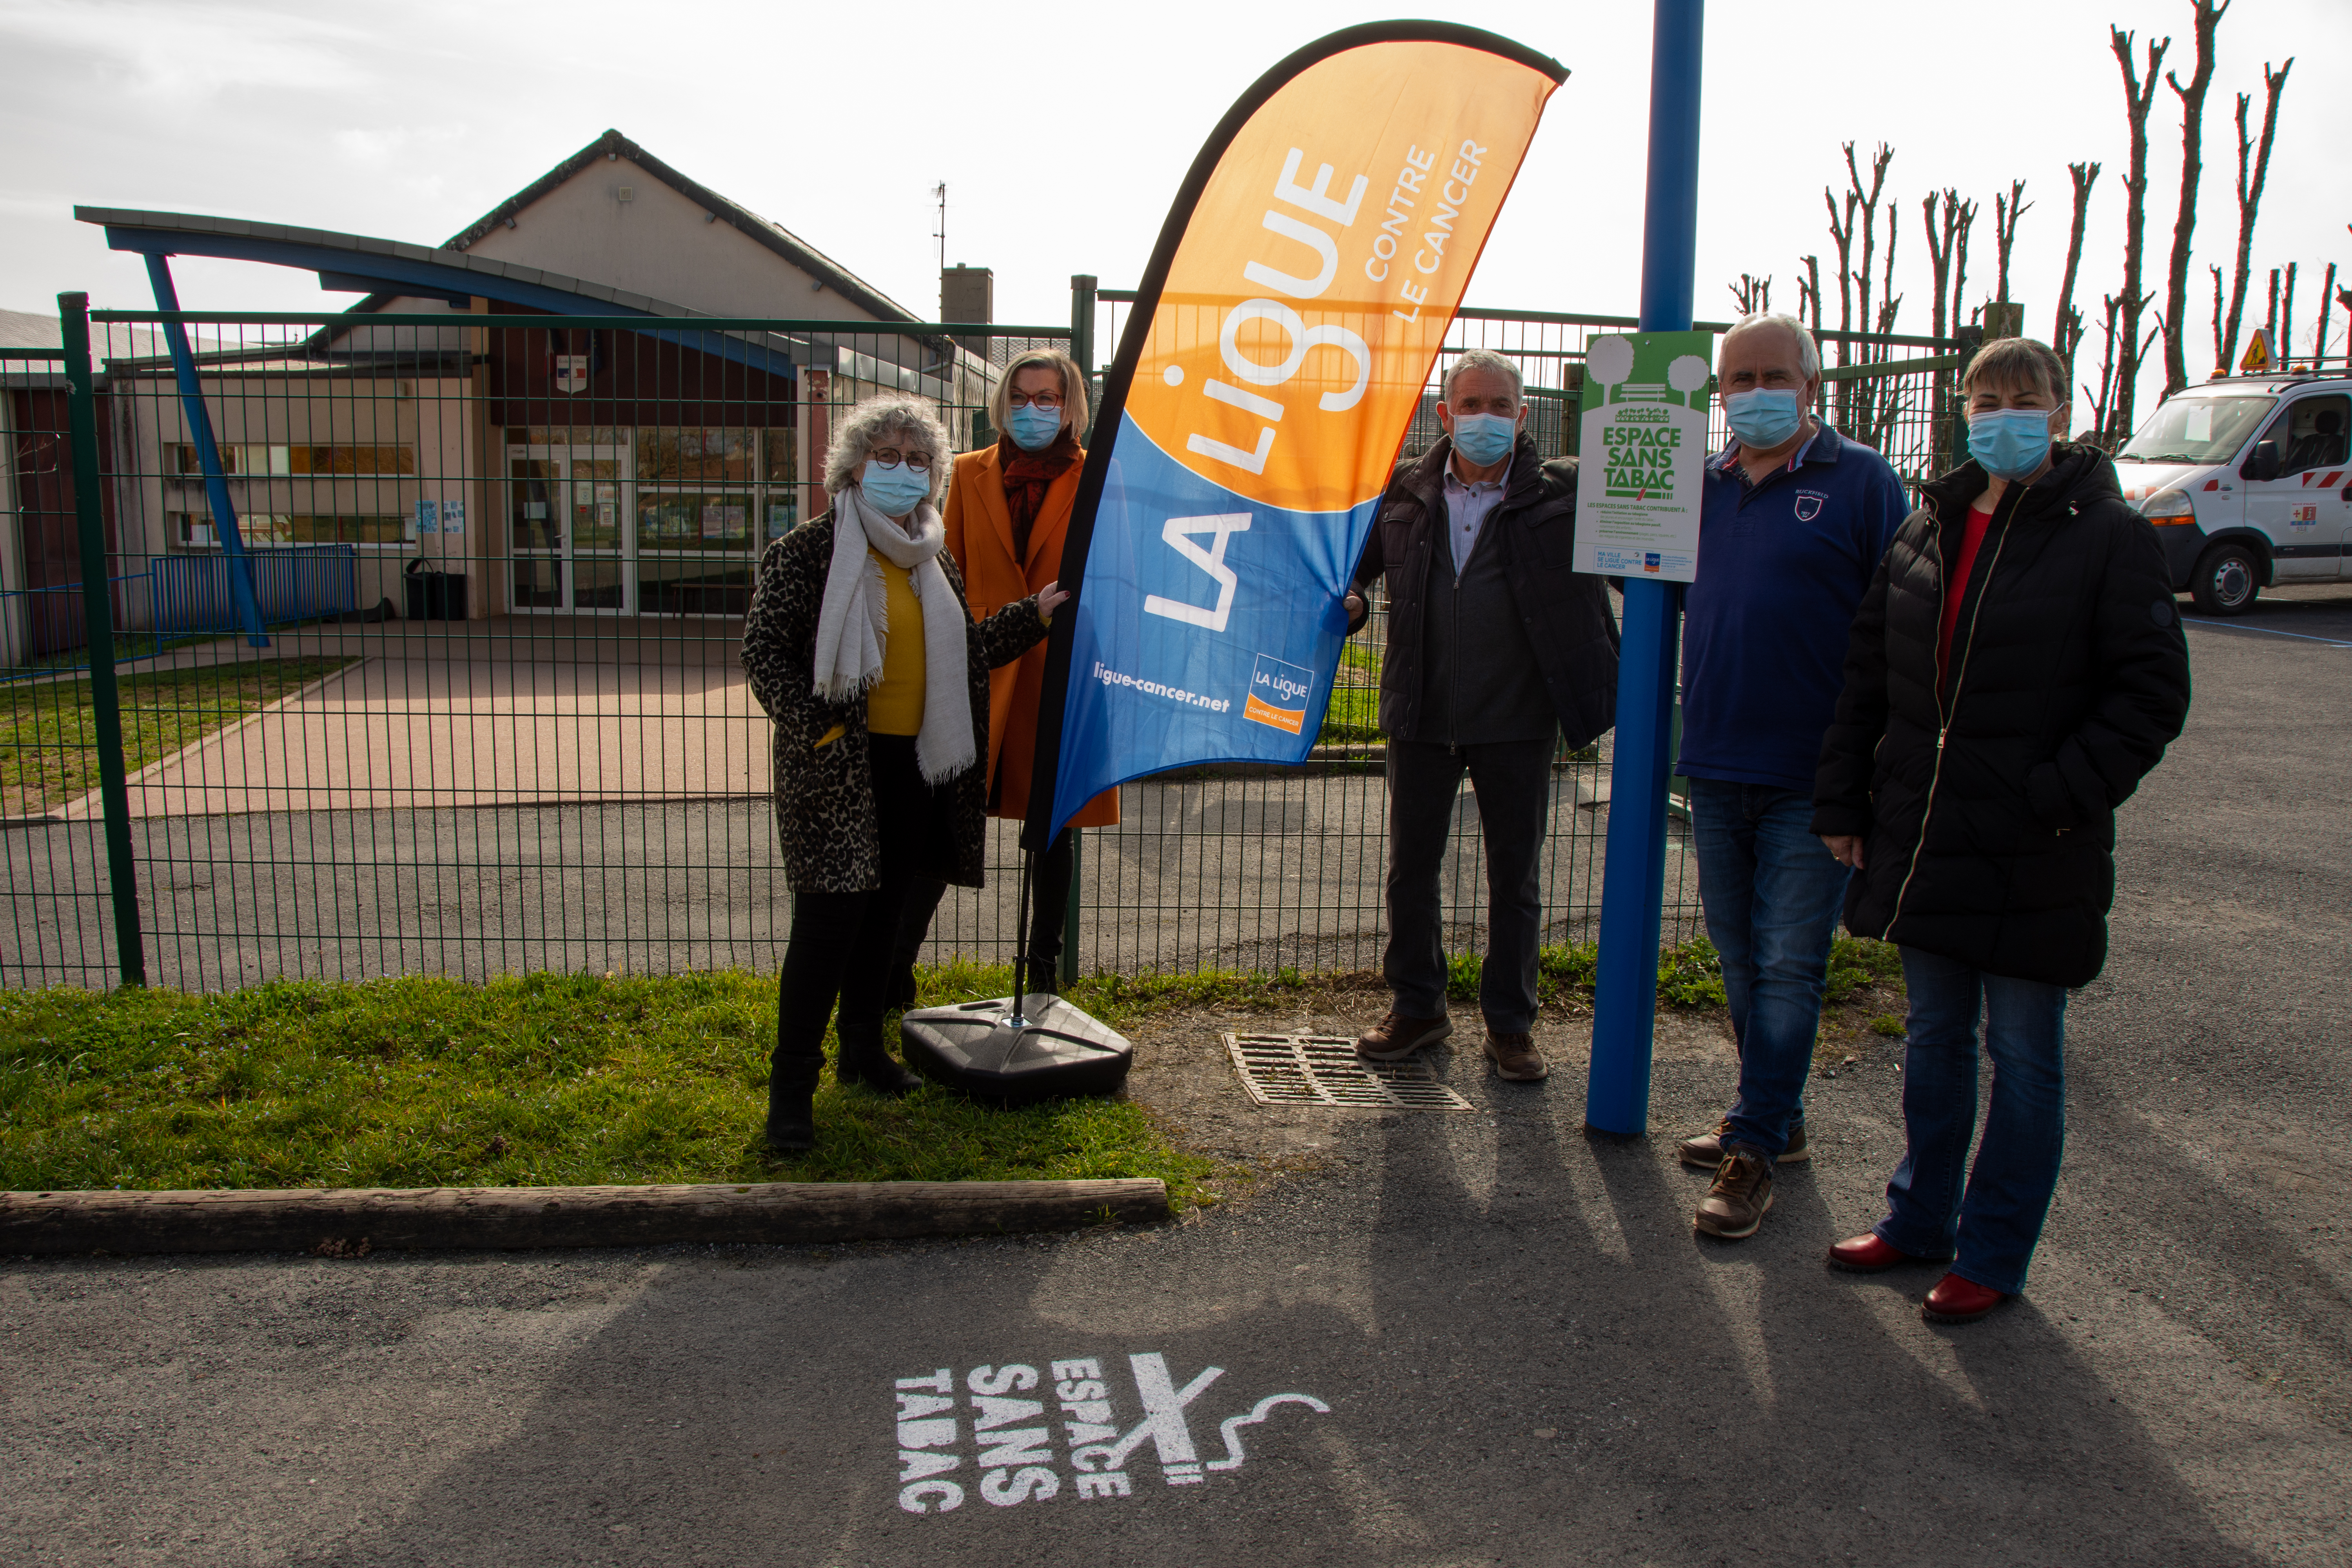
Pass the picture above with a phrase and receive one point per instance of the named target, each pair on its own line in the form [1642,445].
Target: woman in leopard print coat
[860,826]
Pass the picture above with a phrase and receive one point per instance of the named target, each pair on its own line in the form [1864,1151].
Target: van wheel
[2227,581]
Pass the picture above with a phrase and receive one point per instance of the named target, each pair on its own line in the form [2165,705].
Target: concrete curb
[344,1222]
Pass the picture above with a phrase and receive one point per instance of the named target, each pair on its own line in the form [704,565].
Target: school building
[555,470]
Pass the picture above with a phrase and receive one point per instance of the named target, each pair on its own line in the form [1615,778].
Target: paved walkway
[511,711]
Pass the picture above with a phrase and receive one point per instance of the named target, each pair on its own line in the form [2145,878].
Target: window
[695,520]
[2310,433]
[2197,430]
[252,460]
[697,454]
[194,531]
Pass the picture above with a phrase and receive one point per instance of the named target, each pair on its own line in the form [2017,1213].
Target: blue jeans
[1771,892]
[1992,1226]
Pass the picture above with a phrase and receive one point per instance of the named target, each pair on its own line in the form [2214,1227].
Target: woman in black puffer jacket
[1995,714]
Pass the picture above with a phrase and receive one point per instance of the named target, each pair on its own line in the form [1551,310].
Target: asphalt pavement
[1441,1338]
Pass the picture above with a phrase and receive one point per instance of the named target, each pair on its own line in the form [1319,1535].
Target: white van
[2248,479]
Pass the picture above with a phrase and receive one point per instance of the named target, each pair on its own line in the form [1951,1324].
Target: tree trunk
[2004,234]
[2103,406]
[1940,260]
[2139,96]
[2283,344]
[2326,303]
[2250,197]
[2066,328]
[2192,168]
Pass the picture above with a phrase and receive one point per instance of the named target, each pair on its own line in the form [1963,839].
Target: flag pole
[1633,886]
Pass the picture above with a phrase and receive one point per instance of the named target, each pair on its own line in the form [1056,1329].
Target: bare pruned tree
[1753,294]
[2192,167]
[2250,200]
[1868,201]
[2283,342]
[2327,304]
[1809,290]
[2004,234]
[2221,353]
[2066,329]
[2139,96]
[2103,400]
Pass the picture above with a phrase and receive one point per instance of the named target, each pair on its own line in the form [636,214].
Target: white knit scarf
[853,623]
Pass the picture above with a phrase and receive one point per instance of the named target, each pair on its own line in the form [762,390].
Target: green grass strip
[581,1079]
[48,733]
[538,1081]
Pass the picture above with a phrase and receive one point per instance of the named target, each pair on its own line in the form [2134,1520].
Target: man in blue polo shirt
[1793,523]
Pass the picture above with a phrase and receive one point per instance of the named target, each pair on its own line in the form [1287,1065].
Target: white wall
[657,244]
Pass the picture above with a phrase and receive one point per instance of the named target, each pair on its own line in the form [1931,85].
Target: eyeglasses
[890,458]
[1045,400]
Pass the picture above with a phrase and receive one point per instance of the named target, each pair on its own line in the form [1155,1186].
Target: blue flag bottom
[1207,627]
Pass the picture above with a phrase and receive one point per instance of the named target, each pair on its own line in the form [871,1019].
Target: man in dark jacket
[1496,646]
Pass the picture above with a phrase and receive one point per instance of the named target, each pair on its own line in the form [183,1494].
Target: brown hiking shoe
[1739,1199]
[1516,1057]
[1397,1037]
[1705,1150]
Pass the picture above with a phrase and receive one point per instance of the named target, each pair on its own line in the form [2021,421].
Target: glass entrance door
[568,516]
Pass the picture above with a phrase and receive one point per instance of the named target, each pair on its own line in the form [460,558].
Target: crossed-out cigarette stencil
[944,1420]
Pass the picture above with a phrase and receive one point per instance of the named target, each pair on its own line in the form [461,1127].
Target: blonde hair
[1074,388]
[890,418]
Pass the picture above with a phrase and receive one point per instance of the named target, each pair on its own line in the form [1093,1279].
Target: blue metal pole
[200,432]
[1632,885]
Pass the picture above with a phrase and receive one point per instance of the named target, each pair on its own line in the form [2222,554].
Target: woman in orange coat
[1008,512]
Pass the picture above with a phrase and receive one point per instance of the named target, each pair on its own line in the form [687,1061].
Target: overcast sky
[1062,129]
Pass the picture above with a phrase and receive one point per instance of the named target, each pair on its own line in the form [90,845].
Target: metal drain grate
[1317,1069]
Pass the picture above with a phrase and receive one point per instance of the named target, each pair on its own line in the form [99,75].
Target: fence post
[1632,885]
[1082,339]
[1082,349]
[1968,339]
[97,616]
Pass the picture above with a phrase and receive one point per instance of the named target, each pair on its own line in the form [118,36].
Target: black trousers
[1513,780]
[842,945]
[1048,910]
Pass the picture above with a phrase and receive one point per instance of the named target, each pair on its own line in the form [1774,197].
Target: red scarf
[1027,476]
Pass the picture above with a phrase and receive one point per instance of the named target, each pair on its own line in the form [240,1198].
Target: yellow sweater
[895,704]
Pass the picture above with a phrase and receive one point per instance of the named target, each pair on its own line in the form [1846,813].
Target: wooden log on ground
[342,1222]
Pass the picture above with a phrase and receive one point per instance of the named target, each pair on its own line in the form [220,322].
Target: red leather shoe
[1866,1254]
[1957,1300]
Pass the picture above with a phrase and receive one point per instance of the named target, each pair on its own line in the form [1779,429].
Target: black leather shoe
[877,1069]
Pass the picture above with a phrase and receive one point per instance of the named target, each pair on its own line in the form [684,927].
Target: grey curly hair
[888,420]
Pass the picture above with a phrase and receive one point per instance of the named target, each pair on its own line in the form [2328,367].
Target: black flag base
[1014,1049]
[1042,1049]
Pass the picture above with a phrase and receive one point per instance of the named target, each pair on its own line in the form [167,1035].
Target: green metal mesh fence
[497,723]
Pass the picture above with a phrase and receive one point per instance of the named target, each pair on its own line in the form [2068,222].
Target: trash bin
[434,596]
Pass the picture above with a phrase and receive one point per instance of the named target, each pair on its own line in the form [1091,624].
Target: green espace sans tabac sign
[1645,444]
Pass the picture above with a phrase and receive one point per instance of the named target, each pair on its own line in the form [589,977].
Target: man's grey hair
[889,420]
[1808,351]
[1481,359]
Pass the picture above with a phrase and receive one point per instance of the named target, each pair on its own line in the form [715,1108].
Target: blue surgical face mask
[2010,443]
[1765,418]
[1483,438]
[893,489]
[1033,428]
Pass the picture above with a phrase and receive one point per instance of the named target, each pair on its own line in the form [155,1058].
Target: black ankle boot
[791,1121]
[870,1067]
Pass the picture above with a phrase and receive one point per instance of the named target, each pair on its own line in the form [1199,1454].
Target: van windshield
[2197,430]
